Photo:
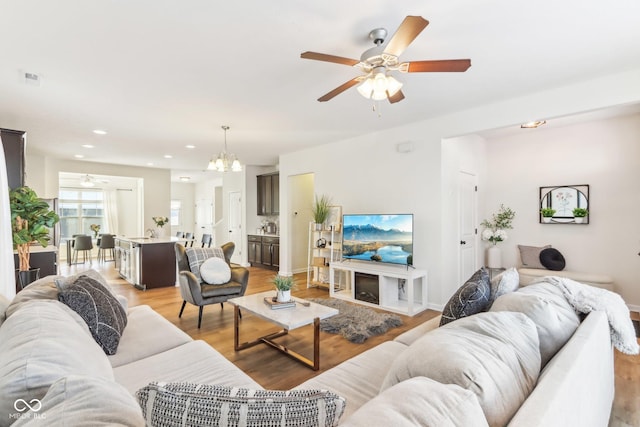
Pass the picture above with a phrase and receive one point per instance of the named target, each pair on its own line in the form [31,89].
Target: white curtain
[7,267]
[111,210]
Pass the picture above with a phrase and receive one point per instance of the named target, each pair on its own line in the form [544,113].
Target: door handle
[462,242]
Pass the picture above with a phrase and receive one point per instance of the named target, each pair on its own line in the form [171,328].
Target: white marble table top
[287,318]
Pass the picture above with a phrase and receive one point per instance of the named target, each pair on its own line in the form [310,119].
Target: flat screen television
[378,238]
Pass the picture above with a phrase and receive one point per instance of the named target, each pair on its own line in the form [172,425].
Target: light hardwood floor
[274,370]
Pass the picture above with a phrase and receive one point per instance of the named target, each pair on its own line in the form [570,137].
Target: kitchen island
[147,262]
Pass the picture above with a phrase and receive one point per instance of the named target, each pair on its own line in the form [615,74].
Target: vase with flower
[96,229]
[495,233]
[160,222]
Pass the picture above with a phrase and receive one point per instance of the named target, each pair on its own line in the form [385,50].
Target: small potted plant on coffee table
[579,214]
[283,285]
[547,214]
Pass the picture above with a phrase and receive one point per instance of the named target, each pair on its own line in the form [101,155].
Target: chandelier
[87,181]
[225,161]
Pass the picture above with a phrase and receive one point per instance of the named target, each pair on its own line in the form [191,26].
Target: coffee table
[287,318]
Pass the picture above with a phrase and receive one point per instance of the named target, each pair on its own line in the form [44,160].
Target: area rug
[356,323]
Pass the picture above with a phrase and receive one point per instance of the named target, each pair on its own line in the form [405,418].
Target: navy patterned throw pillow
[104,315]
[472,297]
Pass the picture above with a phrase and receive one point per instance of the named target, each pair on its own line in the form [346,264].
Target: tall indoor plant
[320,210]
[31,219]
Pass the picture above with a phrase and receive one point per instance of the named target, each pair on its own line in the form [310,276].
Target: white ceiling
[158,75]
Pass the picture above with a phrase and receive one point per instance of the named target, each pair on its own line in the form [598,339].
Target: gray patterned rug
[354,322]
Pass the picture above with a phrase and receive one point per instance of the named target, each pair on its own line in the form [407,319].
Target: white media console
[400,289]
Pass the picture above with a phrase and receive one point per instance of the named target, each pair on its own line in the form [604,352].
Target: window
[176,212]
[78,209]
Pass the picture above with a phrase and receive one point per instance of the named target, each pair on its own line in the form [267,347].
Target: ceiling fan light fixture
[379,86]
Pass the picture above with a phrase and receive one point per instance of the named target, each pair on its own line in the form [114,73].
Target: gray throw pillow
[103,313]
[505,282]
[197,256]
[471,298]
[530,256]
[171,404]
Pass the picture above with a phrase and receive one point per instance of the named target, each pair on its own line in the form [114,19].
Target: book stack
[275,305]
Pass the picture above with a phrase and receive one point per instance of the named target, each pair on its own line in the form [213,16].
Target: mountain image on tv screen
[378,238]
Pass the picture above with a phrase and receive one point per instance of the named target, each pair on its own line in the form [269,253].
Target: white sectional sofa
[47,354]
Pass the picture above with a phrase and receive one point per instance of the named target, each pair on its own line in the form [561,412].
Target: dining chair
[189,240]
[179,234]
[107,243]
[84,244]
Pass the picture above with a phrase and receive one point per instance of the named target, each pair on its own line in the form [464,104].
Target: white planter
[578,220]
[494,257]
[546,219]
[283,296]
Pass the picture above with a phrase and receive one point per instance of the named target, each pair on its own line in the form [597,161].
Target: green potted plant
[31,219]
[579,214]
[320,210]
[547,214]
[283,285]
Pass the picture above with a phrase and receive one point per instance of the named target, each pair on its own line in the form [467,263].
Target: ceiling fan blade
[340,89]
[397,97]
[445,65]
[405,34]
[328,58]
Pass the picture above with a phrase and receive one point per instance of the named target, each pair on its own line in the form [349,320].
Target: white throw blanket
[585,299]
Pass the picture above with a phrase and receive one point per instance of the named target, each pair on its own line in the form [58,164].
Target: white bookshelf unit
[325,247]
[401,290]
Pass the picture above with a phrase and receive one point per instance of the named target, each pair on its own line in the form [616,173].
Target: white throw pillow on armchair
[215,271]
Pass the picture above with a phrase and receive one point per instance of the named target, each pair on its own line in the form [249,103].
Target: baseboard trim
[633,307]
[436,307]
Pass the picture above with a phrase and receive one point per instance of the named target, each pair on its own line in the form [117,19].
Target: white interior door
[204,217]
[467,214]
[235,224]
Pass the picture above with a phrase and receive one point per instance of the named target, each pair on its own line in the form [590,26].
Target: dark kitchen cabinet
[268,194]
[264,251]
[14,144]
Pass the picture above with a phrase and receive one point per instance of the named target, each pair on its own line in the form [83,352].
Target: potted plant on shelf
[495,232]
[31,219]
[547,214]
[320,210]
[283,285]
[579,214]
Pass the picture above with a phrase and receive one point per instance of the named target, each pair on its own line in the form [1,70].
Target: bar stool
[206,240]
[179,234]
[82,244]
[189,239]
[107,243]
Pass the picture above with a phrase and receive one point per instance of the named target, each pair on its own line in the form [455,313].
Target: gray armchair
[201,294]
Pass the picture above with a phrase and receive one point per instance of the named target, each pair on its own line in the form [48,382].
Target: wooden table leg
[316,344]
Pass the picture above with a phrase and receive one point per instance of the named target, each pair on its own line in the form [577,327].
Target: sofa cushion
[197,256]
[495,355]
[358,379]
[505,282]
[544,304]
[552,259]
[215,271]
[99,308]
[41,289]
[171,404]
[420,401]
[85,401]
[39,344]
[195,361]
[147,333]
[4,303]
[530,256]
[471,298]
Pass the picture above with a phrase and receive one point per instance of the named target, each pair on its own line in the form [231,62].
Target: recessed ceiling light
[533,125]
[87,146]
[168,156]
[150,164]
[78,156]
[185,178]
[190,146]
[100,132]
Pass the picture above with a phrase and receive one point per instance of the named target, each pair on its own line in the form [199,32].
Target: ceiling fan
[377,63]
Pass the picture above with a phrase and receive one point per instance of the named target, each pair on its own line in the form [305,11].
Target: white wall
[366,174]
[42,176]
[185,192]
[604,154]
